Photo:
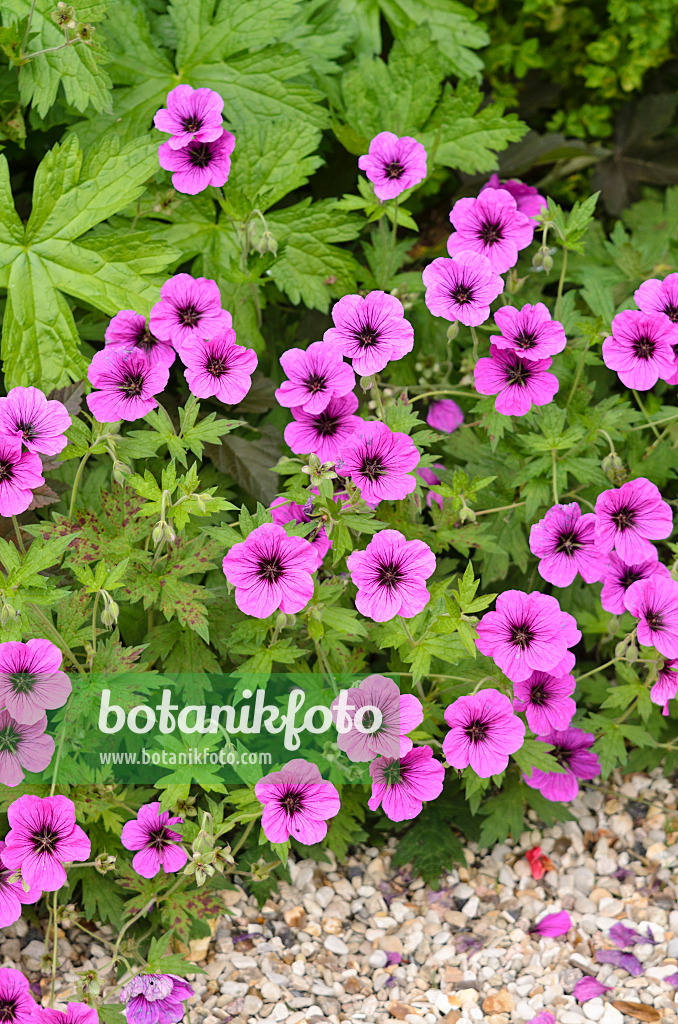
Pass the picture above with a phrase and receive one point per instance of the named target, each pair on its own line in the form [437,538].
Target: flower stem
[242,839]
[19,538]
[83,462]
[54,948]
[445,391]
[377,399]
[94,623]
[577,375]
[62,736]
[651,425]
[475,345]
[600,668]
[555,475]
[654,423]
[500,508]
[561,282]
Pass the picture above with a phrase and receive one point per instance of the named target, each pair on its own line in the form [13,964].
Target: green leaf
[466,132]
[430,845]
[453,28]
[503,814]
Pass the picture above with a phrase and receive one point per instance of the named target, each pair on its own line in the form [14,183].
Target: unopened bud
[156,536]
[632,652]
[365,383]
[452,331]
[280,620]
[548,263]
[120,471]
[613,468]
[467,515]
[110,611]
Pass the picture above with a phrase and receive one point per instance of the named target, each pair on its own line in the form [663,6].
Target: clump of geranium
[198,152]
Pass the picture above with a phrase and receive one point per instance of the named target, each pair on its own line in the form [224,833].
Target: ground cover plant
[301,396]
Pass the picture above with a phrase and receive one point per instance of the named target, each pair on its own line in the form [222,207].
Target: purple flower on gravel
[155,999]
[622,935]
[218,368]
[528,200]
[543,1018]
[43,836]
[326,433]
[199,164]
[640,349]
[553,925]
[126,385]
[545,701]
[23,747]
[400,714]
[572,751]
[18,1005]
[483,732]
[400,785]
[393,164]
[618,577]
[31,680]
[285,511]
[379,461]
[627,961]
[666,687]
[518,383]
[589,988]
[655,603]
[271,571]
[152,835]
[461,288]
[445,416]
[316,375]
[629,517]
[191,115]
[391,575]
[76,1013]
[13,895]
[38,423]
[19,473]
[529,331]
[297,803]
[672,979]
[189,309]
[492,225]
[129,330]
[370,331]
[564,541]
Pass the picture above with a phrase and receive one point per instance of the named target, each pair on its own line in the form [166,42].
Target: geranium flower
[666,687]
[518,383]
[461,288]
[38,423]
[151,833]
[130,330]
[30,679]
[589,988]
[661,298]
[400,714]
[640,349]
[13,895]
[199,164]
[529,331]
[18,1005]
[43,836]
[545,701]
[552,925]
[127,384]
[316,375]
[483,732]
[22,747]
[565,543]
[629,517]
[400,785]
[189,310]
[284,511]
[326,433]
[297,803]
[155,999]
[444,415]
[572,752]
[492,225]
[271,570]
[370,331]
[19,473]
[391,575]
[393,164]
[528,200]
[618,577]
[528,633]
[379,461]
[655,603]
[429,477]
[191,115]
[76,1013]
[218,368]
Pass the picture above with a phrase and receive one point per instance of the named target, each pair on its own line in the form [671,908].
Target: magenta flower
[219,368]
[129,330]
[518,383]
[30,679]
[38,423]
[285,511]
[621,935]
[529,331]
[390,575]
[430,478]
[192,115]
[589,988]
[19,472]
[22,747]
[629,517]
[76,1013]
[543,1018]
[126,384]
[545,701]
[316,375]
[666,687]
[16,1001]
[199,164]
[491,225]
[627,961]
[271,570]
[655,603]
[618,577]
[326,433]
[393,165]
[572,752]
[43,836]
[189,310]
[660,298]
[564,541]
[152,835]
[640,349]
[400,714]
[483,732]
[155,999]
[297,803]
[13,896]
[379,461]
[370,331]
[528,633]
[553,925]
[461,288]
[444,415]
[528,200]
[400,785]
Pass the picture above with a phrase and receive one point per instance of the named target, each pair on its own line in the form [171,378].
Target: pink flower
[370,331]
[297,803]
[545,700]
[326,433]
[199,164]
[13,896]
[527,199]
[564,541]
[552,925]
[129,330]
[518,383]
[192,115]
[544,1017]
[151,834]
[127,383]
[316,375]
[43,836]
[618,577]
[30,679]
[661,299]
[18,1005]
[400,785]
[76,1013]
[22,747]
[38,423]
[571,749]
[528,633]
[640,349]
[155,999]
[589,988]
[400,714]
[430,478]
[219,368]
[629,517]
[655,602]
[378,460]
[666,687]
[285,511]
[189,310]
[490,224]
[483,732]
[19,472]
[529,331]
[444,415]
[461,288]
[390,575]
[393,165]
[271,570]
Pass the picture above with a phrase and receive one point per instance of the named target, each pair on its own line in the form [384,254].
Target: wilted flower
[155,999]
[617,957]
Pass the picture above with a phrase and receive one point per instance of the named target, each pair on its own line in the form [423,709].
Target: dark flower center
[373,467]
[189,316]
[538,695]
[191,123]
[518,374]
[22,682]
[145,340]
[476,730]
[45,839]
[271,569]
[28,429]
[525,339]
[367,336]
[326,424]
[389,575]
[6,470]
[216,366]
[521,635]
[644,347]
[316,382]
[655,620]
[368,719]
[568,543]
[133,385]
[7,1009]
[629,576]
[394,170]
[201,154]
[9,740]
[159,837]
[562,756]
[292,802]
[623,518]
[491,232]
[392,773]
[462,294]
[671,312]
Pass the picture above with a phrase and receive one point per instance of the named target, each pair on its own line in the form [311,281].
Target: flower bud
[110,611]
[467,515]
[280,620]
[613,468]
[366,383]
[632,653]
[120,471]
[548,263]
[452,331]
[156,536]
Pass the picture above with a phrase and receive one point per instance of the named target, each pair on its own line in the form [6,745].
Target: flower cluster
[31,425]
[199,150]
